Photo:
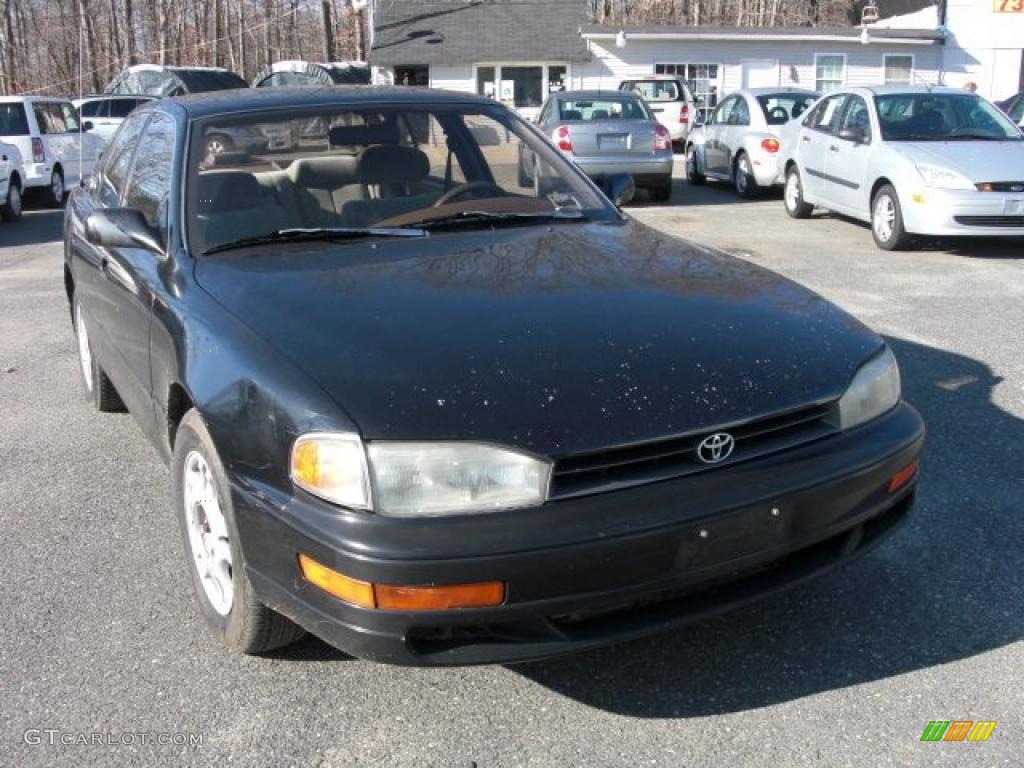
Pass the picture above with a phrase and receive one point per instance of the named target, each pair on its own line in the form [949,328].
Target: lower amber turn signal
[903,477]
[401,598]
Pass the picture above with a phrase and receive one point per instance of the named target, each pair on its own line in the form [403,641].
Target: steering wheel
[463,189]
[778,113]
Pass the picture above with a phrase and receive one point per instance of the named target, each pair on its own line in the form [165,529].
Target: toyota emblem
[715,448]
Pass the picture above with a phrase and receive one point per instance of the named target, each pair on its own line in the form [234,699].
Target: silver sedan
[739,143]
[605,133]
[909,160]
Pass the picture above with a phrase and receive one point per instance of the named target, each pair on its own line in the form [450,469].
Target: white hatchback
[55,153]
[909,160]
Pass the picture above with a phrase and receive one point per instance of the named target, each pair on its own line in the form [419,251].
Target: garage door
[760,74]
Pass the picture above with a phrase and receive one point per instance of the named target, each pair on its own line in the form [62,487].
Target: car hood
[977,160]
[554,339]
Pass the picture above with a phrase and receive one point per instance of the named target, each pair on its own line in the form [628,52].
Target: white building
[518,50]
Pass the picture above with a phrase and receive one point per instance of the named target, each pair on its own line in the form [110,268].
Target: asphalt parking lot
[99,634]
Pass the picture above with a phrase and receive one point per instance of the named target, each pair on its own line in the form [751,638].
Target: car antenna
[81,93]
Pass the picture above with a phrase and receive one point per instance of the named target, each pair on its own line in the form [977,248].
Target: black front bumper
[587,571]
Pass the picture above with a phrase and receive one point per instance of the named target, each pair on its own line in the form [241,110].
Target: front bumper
[942,212]
[587,571]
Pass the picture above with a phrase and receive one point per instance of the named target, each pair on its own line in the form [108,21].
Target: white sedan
[909,160]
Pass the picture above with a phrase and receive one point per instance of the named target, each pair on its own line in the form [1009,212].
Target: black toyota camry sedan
[434,415]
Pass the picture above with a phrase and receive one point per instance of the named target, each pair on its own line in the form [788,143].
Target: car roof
[101,96]
[882,90]
[227,102]
[594,93]
[30,98]
[779,89]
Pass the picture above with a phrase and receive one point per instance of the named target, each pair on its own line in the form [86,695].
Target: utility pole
[328,31]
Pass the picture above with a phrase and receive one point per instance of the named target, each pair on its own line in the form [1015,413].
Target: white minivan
[55,153]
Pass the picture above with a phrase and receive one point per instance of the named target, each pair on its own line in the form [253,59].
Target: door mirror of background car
[619,188]
[87,125]
[856,135]
[122,228]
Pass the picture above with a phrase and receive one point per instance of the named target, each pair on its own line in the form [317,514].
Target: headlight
[417,479]
[874,390]
[333,467]
[414,479]
[943,178]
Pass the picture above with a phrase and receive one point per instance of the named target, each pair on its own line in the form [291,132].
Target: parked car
[55,153]
[248,139]
[436,417]
[670,100]
[106,112]
[740,141]
[1014,108]
[605,134]
[909,160]
[12,179]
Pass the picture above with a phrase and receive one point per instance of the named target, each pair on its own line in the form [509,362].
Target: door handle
[805,138]
[834,148]
[112,270]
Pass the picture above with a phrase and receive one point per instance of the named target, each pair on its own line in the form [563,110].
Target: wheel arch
[179,402]
[16,180]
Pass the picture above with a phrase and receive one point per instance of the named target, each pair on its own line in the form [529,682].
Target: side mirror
[122,228]
[856,135]
[87,125]
[619,188]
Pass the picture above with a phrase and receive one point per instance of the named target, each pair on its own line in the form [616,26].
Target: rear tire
[53,195]
[887,220]
[202,501]
[743,177]
[99,390]
[793,195]
[693,175]
[11,209]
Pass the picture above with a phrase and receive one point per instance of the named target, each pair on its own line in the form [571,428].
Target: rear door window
[13,121]
[93,109]
[122,107]
[825,117]
[49,118]
[70,117]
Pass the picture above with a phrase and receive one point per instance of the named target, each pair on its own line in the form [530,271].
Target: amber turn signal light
[904,476]
[401,598]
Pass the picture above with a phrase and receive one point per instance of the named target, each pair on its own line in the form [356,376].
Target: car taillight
[662,138]
[684,113]
[770,145]
[38,153]
[562,139]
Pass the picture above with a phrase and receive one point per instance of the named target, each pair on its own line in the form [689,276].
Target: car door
[848,159]
[107,282]
[715,159]
[732,135]
[815,136]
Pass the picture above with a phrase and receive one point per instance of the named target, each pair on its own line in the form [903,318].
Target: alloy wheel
[884,218]
[14,200]
[57,186]
[792,191]
[208,533]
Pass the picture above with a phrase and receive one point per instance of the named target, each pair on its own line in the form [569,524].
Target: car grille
[990,221]
[624,466]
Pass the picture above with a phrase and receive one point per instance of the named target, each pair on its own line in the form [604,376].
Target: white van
[12,176]
[54,153]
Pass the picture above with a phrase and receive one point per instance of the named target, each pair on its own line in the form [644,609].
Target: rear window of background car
[603,109]
[655,90]
[13,121]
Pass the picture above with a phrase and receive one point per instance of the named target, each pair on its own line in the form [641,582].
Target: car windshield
[942,117]
[780,108]
[655,90]
[361,167]
[605,108]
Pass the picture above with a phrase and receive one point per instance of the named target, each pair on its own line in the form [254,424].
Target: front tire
[216,564]
[99,390]
[887,227]
[743,177]
[53,196]
[11,209]
[693,174]
[793,195]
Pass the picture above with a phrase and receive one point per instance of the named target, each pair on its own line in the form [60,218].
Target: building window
[520,85]
[701,79]
[899,68]
[829,71]
[412,75]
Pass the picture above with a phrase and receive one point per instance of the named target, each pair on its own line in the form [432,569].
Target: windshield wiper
[297,235]
[967,136]
[494,217]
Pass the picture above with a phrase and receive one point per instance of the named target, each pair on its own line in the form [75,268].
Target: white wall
[984,46]
[796,60]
